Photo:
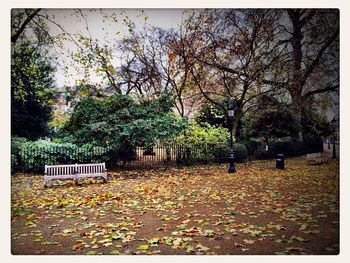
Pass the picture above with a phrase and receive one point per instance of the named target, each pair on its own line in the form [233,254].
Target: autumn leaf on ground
[301,239]
[248,241]
[294,249]
[143,247]
[153,241]
[201,248]
[52,243]
[166,217]
[180,216]
[304,226]
[92,252]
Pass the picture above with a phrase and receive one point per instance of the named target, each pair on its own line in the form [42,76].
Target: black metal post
[231,108]
[232,167]
[280,161]
[334,150]
[333,135]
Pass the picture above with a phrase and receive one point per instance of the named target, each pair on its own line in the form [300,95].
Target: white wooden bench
[317,158]
[75,172]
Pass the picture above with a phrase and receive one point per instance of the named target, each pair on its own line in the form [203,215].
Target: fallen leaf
[92,252]
[143,247]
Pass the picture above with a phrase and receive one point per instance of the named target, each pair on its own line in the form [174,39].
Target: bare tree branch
[29,18]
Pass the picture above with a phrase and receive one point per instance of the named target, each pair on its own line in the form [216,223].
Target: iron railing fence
[34,159]
[288,149]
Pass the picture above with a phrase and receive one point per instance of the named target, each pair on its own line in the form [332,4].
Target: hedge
[33,156]
[221,152]
[29,156]
[16,145]
[256,148]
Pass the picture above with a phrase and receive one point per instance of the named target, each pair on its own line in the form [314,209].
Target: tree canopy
[119,120]
[32,96]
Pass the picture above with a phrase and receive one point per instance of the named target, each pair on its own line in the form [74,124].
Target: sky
[104,29]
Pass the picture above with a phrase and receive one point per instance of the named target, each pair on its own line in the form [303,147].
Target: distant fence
[288,149]
[179,154]
[33,159]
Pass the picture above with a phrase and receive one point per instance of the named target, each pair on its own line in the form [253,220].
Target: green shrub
[276,145]
[261,153]
[221,152]
[35,155]
[123,121]
[203,134]
[240,151]
[14,163]
[281,145]
[252,145]
[16,145]
[198,143]
[205,142]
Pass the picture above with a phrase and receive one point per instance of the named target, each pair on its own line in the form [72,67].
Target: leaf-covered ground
[190,210]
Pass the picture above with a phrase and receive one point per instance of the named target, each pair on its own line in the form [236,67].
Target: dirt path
[193,210]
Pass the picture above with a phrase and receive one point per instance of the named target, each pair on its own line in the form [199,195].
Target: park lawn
[189,210]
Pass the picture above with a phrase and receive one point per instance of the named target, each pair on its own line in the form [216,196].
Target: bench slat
[75,171]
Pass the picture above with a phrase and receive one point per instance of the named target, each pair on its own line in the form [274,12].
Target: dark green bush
[282,145]
[220,152]
[240,151]
[257,148]
[252,145]
[202,143]
[122,121]
[35,155]
[261,153]
[16,145]
[14,163]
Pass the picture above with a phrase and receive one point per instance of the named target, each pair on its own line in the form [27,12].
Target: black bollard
[232,167]
[280,161]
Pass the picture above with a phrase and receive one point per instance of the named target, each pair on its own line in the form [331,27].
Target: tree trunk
[296,87]
[238,115]
[297,101]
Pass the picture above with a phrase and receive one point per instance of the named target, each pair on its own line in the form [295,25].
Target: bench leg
[46,183]
[104,179]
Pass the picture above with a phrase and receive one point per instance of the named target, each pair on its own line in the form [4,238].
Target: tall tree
[142,63]
[234,50]
[31,91]
[154,61]
[311,62]
[177,44]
